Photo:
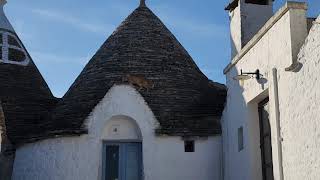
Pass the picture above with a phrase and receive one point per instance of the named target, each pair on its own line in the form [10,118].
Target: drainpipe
[279,138]
[222,161]
[223,155]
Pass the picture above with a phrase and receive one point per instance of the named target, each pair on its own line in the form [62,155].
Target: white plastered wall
[80,158]
[300,113]
[275,46]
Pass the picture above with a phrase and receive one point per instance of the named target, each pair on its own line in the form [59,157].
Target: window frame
[187,144]
[240,139]
[120,143]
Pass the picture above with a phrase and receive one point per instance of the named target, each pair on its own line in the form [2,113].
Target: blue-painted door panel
[132,161]
[122,161]
[112,163]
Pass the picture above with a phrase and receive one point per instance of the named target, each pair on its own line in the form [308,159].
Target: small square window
[240,139]
[188,146]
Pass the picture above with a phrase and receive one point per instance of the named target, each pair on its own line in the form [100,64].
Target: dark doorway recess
[265,140]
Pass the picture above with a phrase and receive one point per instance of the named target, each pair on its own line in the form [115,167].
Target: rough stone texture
[26,101]
[277,48]
[25,97]
[80,158]
[183,99]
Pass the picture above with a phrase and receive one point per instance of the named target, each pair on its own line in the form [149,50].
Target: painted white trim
[152,121]
[272,21]
[5,49]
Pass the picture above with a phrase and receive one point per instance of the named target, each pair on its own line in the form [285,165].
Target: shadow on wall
[234,50]
[240,114]
[262,81]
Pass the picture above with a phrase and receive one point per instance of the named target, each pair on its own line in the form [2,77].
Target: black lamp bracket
[256,74]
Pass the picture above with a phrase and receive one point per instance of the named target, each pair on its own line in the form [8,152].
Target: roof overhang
[231,6]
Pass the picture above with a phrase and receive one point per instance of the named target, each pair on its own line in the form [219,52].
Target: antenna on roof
[142,3]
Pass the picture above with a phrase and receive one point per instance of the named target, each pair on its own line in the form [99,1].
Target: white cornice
[269,24]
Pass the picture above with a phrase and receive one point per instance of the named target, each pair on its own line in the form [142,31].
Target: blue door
[122,161]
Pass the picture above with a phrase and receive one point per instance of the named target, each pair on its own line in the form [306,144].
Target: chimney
[246,19]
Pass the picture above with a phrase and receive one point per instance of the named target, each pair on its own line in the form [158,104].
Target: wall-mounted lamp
[248,75]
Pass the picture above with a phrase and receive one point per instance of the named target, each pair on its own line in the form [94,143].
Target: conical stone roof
[183,99]
[25,97]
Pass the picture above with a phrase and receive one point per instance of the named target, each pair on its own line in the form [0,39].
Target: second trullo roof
[183,99]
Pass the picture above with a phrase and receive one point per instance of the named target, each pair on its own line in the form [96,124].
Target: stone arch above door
[121,127]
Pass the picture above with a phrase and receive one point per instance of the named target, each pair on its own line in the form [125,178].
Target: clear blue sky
[62,35]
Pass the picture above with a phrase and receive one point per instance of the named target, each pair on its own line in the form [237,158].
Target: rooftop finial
[142,3]
[3,2]
[4,23]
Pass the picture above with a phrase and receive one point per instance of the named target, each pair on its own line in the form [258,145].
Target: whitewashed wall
[275,46]
[301,118]
[80,158]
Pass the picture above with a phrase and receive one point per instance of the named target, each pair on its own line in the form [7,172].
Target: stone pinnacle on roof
[3,2]
[4,22]
[142,3]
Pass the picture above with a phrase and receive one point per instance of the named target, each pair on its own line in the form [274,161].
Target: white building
[271,123]
[140,109]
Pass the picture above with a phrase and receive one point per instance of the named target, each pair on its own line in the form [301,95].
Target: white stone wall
[275,46]
[80,158]
[235,31]
[300,118]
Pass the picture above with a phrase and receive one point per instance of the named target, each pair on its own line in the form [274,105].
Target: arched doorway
[122,149]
